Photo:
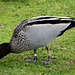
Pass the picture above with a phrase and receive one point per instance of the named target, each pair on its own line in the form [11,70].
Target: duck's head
[4,49]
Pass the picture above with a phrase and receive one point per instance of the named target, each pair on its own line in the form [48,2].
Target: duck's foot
[31,60]
[46,61]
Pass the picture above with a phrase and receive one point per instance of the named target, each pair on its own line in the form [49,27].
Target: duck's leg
[34,59]
[46,61]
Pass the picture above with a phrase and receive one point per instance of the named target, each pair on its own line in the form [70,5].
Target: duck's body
[38,32]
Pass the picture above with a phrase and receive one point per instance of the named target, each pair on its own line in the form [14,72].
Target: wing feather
[41,20]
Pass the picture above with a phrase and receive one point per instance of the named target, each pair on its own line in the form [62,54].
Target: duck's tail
[72,24]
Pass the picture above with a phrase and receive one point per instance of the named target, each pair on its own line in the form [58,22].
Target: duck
[34,33]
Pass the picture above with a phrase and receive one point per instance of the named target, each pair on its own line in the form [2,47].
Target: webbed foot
[31,60]
[46,61]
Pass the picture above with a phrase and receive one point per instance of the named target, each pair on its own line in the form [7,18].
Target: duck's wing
[44,20]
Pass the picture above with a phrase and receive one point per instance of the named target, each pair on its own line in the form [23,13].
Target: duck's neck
[4,49]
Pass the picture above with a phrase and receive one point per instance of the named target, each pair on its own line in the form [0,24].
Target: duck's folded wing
[46,20]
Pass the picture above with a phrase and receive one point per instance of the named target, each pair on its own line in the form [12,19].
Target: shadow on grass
[10,63]
[17,62]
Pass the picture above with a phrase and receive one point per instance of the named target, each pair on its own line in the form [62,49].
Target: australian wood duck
[34,33]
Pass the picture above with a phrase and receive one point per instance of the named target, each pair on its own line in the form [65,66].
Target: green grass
[13,12]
